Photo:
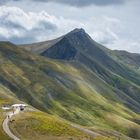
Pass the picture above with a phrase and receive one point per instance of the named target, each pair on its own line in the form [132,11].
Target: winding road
[12,136]
[6,127]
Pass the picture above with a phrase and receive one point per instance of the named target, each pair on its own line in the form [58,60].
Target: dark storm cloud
[78,3]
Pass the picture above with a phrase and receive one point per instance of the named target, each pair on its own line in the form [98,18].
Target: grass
[6,98]
[3,136]
[44,127]
[67,90]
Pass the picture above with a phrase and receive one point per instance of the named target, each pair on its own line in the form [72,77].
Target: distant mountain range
[76,78]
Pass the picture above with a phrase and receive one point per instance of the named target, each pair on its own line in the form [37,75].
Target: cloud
[2,2]
[19,26]
[105,29]
[78,3]
[22,27]
[110,32]
[125,44]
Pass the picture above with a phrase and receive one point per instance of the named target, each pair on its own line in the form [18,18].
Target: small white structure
[14,107]
[6,108]
[20,106]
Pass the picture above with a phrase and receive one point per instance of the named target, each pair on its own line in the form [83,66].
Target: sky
[113,23]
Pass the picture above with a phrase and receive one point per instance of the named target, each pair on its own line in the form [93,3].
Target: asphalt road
[91,133]
[6,126]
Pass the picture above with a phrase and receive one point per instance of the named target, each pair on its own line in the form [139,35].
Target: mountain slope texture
[76,79]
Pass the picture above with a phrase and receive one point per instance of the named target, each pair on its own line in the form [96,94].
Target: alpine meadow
[62,78]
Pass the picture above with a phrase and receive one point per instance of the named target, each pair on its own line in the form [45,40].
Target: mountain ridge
[77,46]
[81,87]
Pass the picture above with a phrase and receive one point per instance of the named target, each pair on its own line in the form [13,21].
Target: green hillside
[71,91]
[6,97]
[37,125]
[78,48]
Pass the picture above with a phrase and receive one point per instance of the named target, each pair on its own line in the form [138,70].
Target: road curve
[91,133]
[6,127]
[12,136]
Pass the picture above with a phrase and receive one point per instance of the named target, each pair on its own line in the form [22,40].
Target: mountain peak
[77,31]
[77,34]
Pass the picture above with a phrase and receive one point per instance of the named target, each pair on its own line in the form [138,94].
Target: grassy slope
[3,136]
[62,89]
[42,126]
[37,125]
[45,127]
[78,46]
[4,99]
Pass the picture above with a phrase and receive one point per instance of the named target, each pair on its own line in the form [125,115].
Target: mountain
[76,79]
[131,59]
[78,47]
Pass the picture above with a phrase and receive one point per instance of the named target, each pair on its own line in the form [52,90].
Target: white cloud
[104,29]
[20,26]
[110,32]
[129,45]
[17,25]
